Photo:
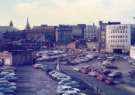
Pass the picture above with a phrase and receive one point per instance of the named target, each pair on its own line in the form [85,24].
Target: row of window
[120,27]
[117,46]
[119,36]
[118,31]
[118,41]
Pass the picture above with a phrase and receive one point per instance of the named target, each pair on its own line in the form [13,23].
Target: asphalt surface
[34,82]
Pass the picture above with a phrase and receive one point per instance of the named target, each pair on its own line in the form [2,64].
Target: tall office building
[102,33]
[119,38]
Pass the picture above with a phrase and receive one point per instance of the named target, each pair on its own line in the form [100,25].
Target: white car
[71,91]
[66,89]
[12,87]
[59,76]
[4,73]
[76,69]
[39,66]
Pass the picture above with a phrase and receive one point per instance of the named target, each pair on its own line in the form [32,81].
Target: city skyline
[54,12]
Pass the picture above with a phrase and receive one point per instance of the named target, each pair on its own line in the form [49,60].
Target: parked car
[59,76]
[76,69]
[71,83]
[132,73]
[101,77]
[109,66]
[106,72]
[67,90]
[115,75]
[109,81]
[93,73]
[10,78]
[39,66]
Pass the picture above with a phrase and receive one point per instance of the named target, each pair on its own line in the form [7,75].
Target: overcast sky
[65,11]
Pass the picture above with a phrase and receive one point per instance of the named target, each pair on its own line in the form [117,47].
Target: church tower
[27,24]
[11,24]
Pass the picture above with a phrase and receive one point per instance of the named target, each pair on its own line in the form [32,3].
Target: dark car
[111,66]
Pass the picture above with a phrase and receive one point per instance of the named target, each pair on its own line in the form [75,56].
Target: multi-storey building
[119,38]
[102,33]
[48,33]
[44,34]
[82,27]
[64,34]
[76,32]
[90,33]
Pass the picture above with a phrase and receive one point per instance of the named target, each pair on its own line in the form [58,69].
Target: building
[102,33]
[132,52]
[64,34]
[6,29]
[90,33]
[49,33]
[119,38]
[82,26]
[76,32]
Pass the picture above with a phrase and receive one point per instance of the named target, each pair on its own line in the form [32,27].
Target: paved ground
[34,82]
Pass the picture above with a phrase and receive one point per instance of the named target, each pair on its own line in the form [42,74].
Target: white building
[132,52]
[118,38]
[90,33]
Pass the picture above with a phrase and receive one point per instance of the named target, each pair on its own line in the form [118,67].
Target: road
[34,82]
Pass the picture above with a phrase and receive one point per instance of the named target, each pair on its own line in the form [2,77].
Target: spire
[27,24]
[11,24]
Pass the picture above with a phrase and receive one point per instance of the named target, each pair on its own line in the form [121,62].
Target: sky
[54,12]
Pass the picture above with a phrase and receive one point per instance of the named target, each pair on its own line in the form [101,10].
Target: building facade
[48,33]
[102,34]
[76,32]
[64,34]
[42,34]
[118,38]
[90,33]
